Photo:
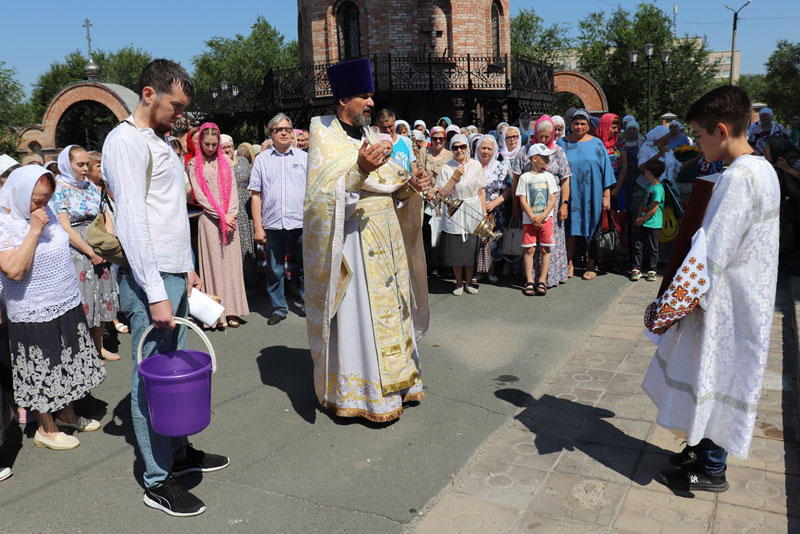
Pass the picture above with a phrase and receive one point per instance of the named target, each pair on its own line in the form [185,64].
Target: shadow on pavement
[292,371]
[549,439]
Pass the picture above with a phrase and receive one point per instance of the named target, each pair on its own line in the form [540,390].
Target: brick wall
[405,27]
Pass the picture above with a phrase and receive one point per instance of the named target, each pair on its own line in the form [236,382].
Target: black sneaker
[690,480]
[171,498]
[199,461]
[686,458]
[275,318]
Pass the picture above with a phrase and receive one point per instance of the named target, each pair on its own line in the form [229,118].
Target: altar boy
[707,372]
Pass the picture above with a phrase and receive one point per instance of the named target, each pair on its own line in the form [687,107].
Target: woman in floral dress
[241,174]
[498,191]
[76,202]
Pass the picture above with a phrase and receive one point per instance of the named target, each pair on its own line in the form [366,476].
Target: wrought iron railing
[306,83]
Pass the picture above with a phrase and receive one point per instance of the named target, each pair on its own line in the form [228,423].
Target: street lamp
[733,42]
[633,56]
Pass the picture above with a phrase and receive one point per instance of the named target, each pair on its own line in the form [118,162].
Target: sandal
[541,288]
[233,323]
[121,328]
[589,275]
[529,290]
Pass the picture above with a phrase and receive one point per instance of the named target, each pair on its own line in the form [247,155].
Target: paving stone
[626,433]
[771,455]
[664,441]
[636,364]
[625,383]
[457,514]
[582,377]
[777,426]
[578,498]
[574,399]
[761,490]
[519,446]
[608,345]
[638,407]
[501,483]
[623,319]
[598,461]
[537,523]
[778,401]
[597,360]
[618,331]
[552,422]
[729,519]
[655,513]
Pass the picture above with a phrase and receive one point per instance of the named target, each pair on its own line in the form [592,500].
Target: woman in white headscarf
[401,127]
[511,144]
[559,127]
[420,126]
[656,146]
[759,131]
[54,361]
[462,178]
[497,191]
[77,202]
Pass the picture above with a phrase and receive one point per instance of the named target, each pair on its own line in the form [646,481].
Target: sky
[178,29]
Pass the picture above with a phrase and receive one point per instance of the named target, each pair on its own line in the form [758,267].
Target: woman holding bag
[218,248]
[590,185]
[76,202]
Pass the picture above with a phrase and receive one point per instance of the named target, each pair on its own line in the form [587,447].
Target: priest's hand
[370,157]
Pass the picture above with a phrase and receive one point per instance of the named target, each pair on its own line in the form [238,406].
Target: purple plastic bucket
[178,387]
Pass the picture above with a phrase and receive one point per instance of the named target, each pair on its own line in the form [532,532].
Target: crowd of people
[553,178]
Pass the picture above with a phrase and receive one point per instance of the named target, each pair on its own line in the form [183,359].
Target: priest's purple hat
[350,78]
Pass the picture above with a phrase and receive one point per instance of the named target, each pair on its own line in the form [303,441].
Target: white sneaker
[458,291]
[5,472]
[61,442]
[472,290]
[81,424]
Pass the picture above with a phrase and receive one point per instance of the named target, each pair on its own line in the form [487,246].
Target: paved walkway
[581,454]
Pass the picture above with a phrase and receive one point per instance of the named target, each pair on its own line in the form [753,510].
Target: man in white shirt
[145,175]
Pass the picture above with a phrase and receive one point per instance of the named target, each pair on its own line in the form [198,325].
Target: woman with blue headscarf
[590,185]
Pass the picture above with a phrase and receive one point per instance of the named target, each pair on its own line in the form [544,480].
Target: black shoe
[199,461]
[691,480]
[275,318]
[301,313]
[171,498]
[686,458]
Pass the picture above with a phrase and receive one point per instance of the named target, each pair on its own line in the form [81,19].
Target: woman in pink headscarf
[219,253]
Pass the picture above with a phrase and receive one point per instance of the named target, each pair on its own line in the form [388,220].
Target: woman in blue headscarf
[590,185]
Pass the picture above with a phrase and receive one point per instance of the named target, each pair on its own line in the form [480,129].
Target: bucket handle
[180,320]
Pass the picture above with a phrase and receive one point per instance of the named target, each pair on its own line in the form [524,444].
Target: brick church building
[430,58]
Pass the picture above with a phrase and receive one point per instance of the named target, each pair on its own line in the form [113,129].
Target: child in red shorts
[537,196]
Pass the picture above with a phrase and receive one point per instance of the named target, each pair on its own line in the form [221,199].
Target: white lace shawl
[50,287]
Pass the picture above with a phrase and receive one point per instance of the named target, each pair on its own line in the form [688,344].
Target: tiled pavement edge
[581,454]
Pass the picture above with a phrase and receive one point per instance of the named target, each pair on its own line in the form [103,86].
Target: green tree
[14,111]
[783,72]
[121,67]
[530,37]
[755,85]
[603,48]
[243,60]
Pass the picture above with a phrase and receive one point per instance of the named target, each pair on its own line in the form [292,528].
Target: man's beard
[363,118]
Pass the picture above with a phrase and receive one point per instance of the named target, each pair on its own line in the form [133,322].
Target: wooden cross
[86,24]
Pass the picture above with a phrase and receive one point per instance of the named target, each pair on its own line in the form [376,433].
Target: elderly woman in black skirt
[462,178]
[53,357]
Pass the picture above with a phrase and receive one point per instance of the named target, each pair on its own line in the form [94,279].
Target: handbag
[606,244]
[105,243]
[512,240]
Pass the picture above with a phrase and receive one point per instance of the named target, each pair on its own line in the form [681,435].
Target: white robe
[707,372]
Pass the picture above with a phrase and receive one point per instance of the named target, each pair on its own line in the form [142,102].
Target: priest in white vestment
[362,259]
[706,375]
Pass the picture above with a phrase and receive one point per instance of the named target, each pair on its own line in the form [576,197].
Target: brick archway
[41,138]
[584,87]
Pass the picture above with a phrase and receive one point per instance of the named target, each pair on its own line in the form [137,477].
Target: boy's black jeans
[711,458]
[646,246]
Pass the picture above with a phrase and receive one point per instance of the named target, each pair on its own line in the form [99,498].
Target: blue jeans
[157,451]
[711,457]
[277,241]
